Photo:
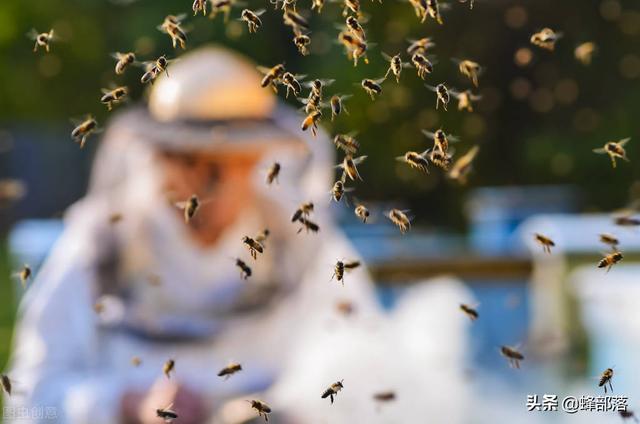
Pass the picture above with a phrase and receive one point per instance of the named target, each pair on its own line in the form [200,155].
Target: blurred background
[540,116]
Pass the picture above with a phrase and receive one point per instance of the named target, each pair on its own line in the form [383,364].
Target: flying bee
[433,11]
[440,159]
[584,53]
[166,413]
[318,5]
[615,149]
[463,166]
[348,165]
[337,105]
[199,6]
[168,367]
[546,38]
[252,19]
[123,60]
[245,270]
[441,140]
[304,210]
[354,47]
[354,27]
[311,121]
[291,82]
[229,370]
[362,212]
[442,93]
[416,160]
[387,396]
[372,87]
[626,221]
[308,225]
[172,26]
[221,6]
[262,237]
[422,64]
[190,207]
[154,69]
[395,65]
[471,312]
[465,99]
[109,97]
[610,240]
[469,69]
[610,260]
[272,76]
[338,190]
[420,46]
[261,408]
[628,414]
[400,219]
[513,356]
[295,21]
[84,129]
[311,104]
[347,143]
[345,307]
[24,274]
[341,267]
[41,39]
[6,383]
[351,5]
[302,43]
[273,173]
[317,86]
[544,241]
[136,361]
[333,390]
[253,246]
[607,376]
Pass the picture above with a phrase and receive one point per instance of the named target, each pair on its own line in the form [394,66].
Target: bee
[261,408]
[168,367]
[317,86]
[626,221]
[123,60]
[154,69]
[229,370]
[440,159]
[302,42]
[351,5]
[341,267]
[442,93]
[291,82]
[584,52]
[199,6]
[262,236]
[420,46]
[318,5]
[362,212]
[607,376]
[308,225]
[295,21]
[98,307]
[348,165]
[311,121]
[546,38]
[272,76]
[245,270]
[372,87]
[83,130]
[190,207]
[615,149]
[395,66]
[422,64]
[544,241]
[463,166]
[11,191]
[610,260]
[513,356]
[304,210]
[221,6]
[471,312]
[24,275]
[338,190]
[465,99]
[116,217]
[136,361]
[41,39]
[610,240]
[167,414]
[6,383]
[628,414]
[354,27]
[252,19]
[273,173]
[400,219]
[333,390]
[347,143]
[354,47]
[172,26]
[253,246]
[416,160]
[440,139]
[337,105]
[109,97]
[469,69]
[345,307]
[433,11]
[387,396]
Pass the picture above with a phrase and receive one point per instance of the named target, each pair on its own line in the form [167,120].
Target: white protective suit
[281,324]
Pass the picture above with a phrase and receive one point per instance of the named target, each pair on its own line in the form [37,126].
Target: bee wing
[300,76]
[32,34]
[455,93]
[259,12]
[359,160]
[429,134]
[386,56]
[181,205]
[624,141]
[431,87]
[600,150]
[263,69]
[400,158]
[452,138]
